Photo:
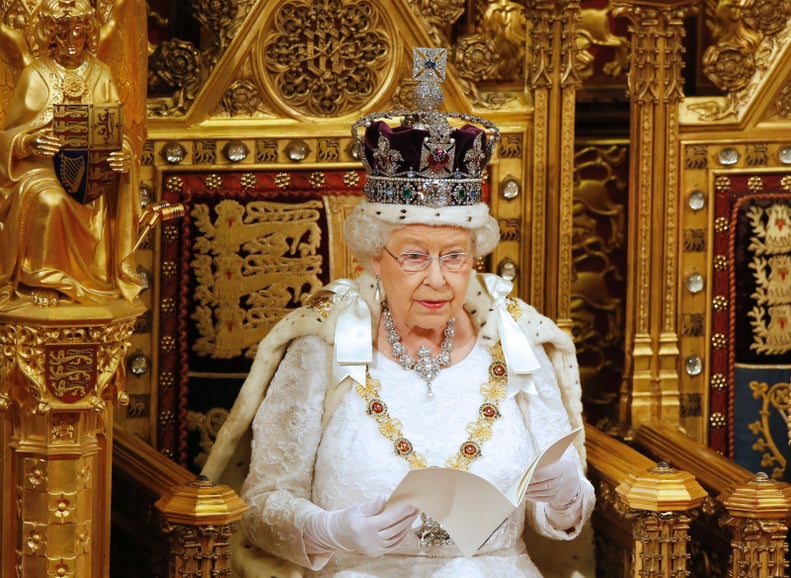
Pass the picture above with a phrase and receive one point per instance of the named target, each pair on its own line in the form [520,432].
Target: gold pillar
[553,83]
[651,382]
[200,519]
[661,502]
[61,374]
[759,515]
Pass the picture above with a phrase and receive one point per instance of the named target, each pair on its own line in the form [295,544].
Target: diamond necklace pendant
[426,366]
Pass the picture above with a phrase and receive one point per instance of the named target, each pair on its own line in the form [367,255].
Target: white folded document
[468,507]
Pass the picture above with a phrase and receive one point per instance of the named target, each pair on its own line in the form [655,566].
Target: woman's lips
[433,304]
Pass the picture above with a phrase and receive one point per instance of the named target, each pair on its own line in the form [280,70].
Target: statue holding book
[69,207]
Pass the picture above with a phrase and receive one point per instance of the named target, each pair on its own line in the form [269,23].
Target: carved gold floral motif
[744,46]
[327,57]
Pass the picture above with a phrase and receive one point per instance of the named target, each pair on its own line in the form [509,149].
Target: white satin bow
[519,355]
[353,338]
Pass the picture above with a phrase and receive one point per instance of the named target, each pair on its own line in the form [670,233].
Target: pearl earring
[378,290]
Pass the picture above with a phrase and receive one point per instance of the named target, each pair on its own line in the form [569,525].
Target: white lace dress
[300,462]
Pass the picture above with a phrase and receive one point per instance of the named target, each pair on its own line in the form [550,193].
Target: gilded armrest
[198,516]
[643,509]
[747,518]
[672,445]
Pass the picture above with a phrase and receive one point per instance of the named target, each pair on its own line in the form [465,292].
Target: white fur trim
[467,217]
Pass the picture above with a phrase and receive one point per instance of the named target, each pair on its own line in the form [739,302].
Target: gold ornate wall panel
[734,208]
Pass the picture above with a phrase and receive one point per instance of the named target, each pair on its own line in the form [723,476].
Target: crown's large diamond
[434,193]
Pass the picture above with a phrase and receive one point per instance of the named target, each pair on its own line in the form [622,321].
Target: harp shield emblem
[89,134]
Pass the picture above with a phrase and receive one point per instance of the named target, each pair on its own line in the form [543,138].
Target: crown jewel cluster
[426,160]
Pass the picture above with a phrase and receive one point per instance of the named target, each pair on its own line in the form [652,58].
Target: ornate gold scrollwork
[775,397]
[742,50]
[325,58]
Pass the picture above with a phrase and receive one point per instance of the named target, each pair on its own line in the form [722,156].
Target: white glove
[557,484]
[364,529]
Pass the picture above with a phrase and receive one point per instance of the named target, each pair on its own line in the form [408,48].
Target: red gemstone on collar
[498,369]
[403,446]
[488,411]
[470,449]
[377,407]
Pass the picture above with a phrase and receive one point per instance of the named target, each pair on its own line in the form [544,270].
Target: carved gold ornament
[729,67]
[62,367]
[441,12]
[325,58]
[744,46]
[595,30]
[475,58]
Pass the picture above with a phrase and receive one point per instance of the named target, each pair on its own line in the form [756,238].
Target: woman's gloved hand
[557,484]
[365,529]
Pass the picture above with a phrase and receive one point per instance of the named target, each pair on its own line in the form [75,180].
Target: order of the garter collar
[426,366]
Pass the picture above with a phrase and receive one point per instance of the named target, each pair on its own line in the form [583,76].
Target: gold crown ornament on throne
[433,159]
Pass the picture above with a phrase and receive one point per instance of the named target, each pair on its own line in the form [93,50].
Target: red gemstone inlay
[377,407]
[489,411]
[498,369]
[437,160]
[470,449]
[403,446]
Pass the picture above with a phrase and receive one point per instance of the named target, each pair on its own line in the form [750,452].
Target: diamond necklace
[425,366]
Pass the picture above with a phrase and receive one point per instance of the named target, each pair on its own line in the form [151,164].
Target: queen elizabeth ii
[421,361]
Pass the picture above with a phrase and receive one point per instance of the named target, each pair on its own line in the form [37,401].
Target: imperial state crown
[432,158]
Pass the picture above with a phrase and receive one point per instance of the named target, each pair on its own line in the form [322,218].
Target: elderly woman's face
[425,299]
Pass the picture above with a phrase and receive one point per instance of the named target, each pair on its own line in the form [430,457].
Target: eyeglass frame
[431,258]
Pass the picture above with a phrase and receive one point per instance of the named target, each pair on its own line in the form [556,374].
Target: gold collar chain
[480,430]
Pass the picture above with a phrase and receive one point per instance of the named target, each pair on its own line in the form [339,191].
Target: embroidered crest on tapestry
[252,263]
[769,251]
[251,247]
[751,322]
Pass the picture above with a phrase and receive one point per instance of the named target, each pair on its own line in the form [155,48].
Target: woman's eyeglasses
[413,262]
